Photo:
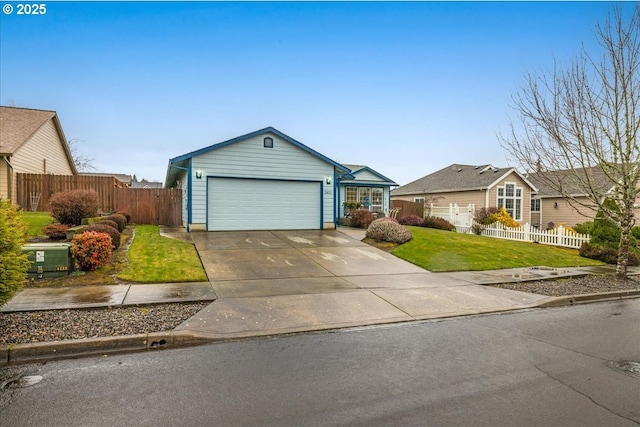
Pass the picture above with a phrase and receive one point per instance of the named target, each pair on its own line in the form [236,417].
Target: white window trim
[514,198]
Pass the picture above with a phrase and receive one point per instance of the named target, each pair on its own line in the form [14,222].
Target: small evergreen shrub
[635,232]
[91,249]
[120,220]
[606,254]
[13,263]
[438,223]
[125,214]
[69,207]
[411,220]
[584,228]
[388,231]
[361,218]
[103,228]
[56,231]
[108,222]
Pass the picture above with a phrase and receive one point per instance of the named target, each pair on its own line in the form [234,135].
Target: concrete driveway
[271,282]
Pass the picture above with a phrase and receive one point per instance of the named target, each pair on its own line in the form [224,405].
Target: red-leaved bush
[411,220]
[91,249]
[121,220]
[103,228]
[361,218]
[69,207]
[56,231]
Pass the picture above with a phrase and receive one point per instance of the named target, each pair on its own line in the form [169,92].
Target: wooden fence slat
[408,208]
[157,206]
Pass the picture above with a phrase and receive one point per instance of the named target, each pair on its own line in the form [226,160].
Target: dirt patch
[575,285]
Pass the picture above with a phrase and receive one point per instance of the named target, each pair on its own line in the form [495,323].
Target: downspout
[336,198]
[188,170]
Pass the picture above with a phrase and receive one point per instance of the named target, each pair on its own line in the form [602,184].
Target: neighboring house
[264,180]
[484,186]
[31,141]
[123,178]
[146,184]
[549,208]
[366,186]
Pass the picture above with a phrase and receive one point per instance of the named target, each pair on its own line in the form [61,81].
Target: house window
[352,194]
[369,197]
[510,198]
[418,200]
[535,205]
[268,142]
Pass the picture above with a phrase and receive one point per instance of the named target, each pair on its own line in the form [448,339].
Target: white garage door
[260,204]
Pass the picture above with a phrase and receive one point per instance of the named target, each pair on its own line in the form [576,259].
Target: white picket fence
[559,236]
[456,215]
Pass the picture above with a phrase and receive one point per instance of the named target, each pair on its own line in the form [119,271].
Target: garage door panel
[255,204]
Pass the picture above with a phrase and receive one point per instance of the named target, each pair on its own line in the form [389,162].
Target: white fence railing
[559,236]
[456,215]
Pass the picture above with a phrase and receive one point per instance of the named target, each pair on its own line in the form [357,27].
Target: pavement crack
[575,390]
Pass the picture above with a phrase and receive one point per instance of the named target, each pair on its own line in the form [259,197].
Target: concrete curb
[70,349]
[47,351]
[589,298]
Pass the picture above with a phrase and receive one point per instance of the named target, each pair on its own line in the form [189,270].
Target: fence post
[526,230]
[560,235]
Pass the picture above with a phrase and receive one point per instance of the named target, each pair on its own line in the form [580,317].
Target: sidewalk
[265,307]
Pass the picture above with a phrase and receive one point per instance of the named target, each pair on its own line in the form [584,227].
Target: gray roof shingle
[454,178]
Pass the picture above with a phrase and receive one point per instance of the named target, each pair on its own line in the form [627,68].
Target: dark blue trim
[189,197]
[378,174]
[267,179]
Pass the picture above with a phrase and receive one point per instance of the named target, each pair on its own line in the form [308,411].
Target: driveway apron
[270,282]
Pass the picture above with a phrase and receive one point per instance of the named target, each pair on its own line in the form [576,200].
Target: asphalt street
[546,367]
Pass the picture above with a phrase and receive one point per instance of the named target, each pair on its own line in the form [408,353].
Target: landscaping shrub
[361,218]
[118,219]
[485,216]
[108,222]
[13,263]
[477,228]
[411,220]
[439,223]
[91,249]
[606,254]
[504,218]
[69,207]
[102,228]
[584,228]
[388,231]
[56,231]
[125,214]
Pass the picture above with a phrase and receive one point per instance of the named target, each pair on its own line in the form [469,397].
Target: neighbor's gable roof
[17,125]
[356,169]
[566,178]
[458,177]
[182,160]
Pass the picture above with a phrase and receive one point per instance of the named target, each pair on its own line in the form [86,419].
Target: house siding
[513,178]
[42,153]
[4,179]
[249,159]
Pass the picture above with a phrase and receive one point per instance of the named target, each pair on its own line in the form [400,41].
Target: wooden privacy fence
[557,237]
[157,206]
[408,208]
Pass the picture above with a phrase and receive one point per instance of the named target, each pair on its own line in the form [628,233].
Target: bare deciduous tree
[584,120]
[81,161]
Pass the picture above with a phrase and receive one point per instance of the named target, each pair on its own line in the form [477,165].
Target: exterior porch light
[199,173]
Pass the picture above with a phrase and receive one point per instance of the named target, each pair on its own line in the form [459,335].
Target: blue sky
[406,88]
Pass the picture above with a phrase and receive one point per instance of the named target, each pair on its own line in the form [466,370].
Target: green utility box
[48,260]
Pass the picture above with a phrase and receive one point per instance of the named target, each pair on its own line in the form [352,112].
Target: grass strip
[36,222]
[157,259]
[439,251]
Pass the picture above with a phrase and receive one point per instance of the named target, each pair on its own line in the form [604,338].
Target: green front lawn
[36,222]
[437,250]
[154,258]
